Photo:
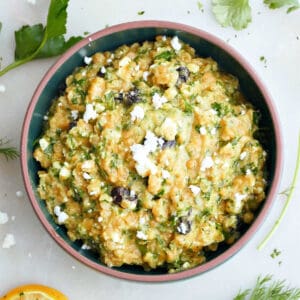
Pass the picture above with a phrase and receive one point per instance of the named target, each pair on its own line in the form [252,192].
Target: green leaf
[28,39]
[234,13]
[293,4]
[57,18]
[166,55]
[37,41]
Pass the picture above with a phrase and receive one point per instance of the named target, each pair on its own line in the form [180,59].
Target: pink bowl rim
[278,161]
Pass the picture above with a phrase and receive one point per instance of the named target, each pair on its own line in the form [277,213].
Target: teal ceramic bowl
[206,45]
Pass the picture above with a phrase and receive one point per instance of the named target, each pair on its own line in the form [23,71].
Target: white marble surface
[37,258]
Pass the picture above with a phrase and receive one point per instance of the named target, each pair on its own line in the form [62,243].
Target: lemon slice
[34,292]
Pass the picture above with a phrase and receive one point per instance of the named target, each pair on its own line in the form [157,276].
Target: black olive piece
[100,73]
[133,96]
[184,225]
[62,89]
[184,74]
[168,144]
[72,124]
[120,193]
[119,97]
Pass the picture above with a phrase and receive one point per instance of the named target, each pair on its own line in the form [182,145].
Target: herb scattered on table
[141,12]
[275,253]
[288,193]
[38,41]
[266,288]
[292,4]
[200,6]
[8,152]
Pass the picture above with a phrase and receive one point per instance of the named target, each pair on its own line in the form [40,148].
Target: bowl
[206,45]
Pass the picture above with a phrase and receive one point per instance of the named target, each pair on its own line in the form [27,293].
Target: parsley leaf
[235,13]
[265,288]
[293,4]
[37,41]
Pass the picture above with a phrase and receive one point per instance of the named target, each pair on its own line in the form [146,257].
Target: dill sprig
[288,193]
[8,152]
[265,288]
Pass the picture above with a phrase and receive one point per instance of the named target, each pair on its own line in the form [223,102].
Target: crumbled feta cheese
[137,113]
[142,221]
[141,235]
[59,104]
[195,189]
[3,218]
[57,210]
[207,163]
[87,60]
[243,112]
[124,61]
[140,154]
[109,60]
[87,165]
[213,131]
[214,112]
[202,130]
[239,197]
[164,38]
[85,247]
[175,43]
[64,173]
[248,172]
[103,70]
[165,174]
[86,176]
[2,88]
[243,155]
[145,75]
[19,194]
[43,144]
[151,141]
[100,219]
[74,114]
[61,215]
[45,118]
[169,129]
[158,100]
[90,113]
[137,68]
[183,228]
[9,241]
[94,192]
[116,237]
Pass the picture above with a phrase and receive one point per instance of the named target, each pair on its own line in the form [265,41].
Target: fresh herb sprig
[289,193]
[38,41]
[237,13]
[8,152]
[265,288]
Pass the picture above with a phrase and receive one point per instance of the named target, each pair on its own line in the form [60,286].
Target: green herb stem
[20,62]
[287,202]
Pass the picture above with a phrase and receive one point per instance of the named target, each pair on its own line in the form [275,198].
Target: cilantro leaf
[37,41]
[293,4]
[235,13]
